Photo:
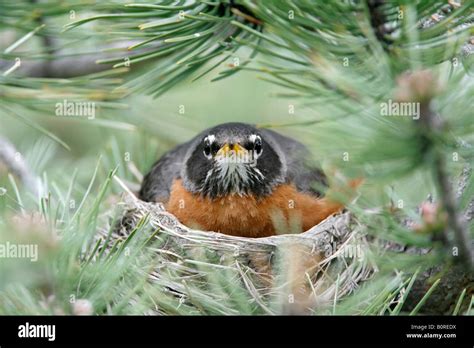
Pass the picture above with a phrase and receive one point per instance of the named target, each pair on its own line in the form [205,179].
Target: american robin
[240,180]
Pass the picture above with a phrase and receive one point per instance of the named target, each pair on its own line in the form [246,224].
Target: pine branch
[421,87]
[456,222]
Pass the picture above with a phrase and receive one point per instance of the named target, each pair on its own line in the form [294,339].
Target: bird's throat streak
[227,177]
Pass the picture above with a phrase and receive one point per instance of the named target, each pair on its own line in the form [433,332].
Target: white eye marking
[253,137]
[210,138]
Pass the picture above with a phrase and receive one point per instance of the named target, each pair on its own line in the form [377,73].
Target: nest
[305,271]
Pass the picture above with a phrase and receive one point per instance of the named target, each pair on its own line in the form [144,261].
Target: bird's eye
[257,145]
[207,148]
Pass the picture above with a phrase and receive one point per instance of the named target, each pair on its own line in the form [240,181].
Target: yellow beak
[227,148]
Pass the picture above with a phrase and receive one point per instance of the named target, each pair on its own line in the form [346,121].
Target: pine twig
[455,222]
[18,167]
[421,87]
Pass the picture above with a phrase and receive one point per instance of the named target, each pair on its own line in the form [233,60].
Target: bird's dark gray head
[233,158]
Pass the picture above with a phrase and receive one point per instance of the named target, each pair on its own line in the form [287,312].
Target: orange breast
[284,211]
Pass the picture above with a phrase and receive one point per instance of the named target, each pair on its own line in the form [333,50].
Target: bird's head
[233,158]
